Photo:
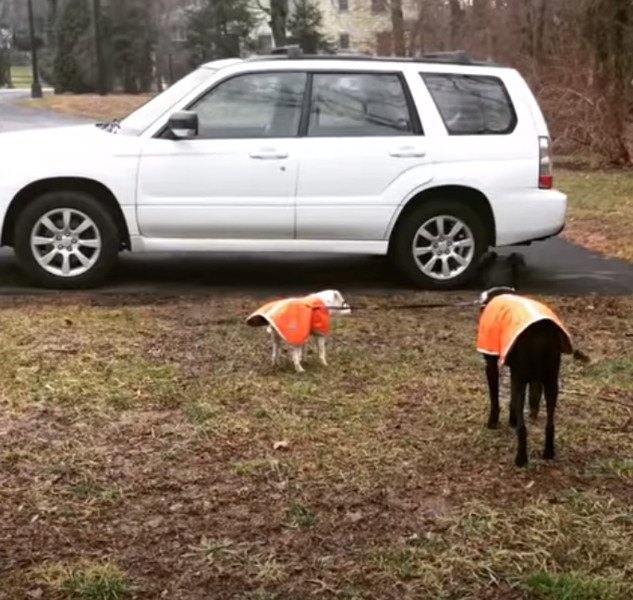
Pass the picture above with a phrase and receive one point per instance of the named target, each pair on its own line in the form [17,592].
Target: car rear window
[472,104]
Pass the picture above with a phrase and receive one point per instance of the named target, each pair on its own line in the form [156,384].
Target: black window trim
[163,132]
[513,122]
[304,120]
[416,124]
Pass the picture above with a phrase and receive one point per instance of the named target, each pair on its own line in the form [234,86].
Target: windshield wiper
[110,126]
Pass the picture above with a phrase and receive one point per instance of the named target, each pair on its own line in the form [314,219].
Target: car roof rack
[458,57]
[291,51]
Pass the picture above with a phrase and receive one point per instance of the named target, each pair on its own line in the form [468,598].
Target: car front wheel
[439,243]
[66,240]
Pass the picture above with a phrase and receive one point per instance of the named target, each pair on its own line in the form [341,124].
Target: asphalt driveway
[554,267]
[14,117]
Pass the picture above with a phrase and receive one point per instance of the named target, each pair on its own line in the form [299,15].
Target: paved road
[554,267]
[14,117]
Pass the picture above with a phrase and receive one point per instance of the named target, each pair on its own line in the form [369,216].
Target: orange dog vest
[506,317]
[294,319]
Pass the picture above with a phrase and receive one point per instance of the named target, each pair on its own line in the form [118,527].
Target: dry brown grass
[600,211]
[91,106]
[144,436]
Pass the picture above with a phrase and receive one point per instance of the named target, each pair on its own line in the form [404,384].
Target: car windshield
[147,114]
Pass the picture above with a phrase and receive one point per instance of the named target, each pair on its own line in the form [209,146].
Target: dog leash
[360,308]
[425,305]
[418,306]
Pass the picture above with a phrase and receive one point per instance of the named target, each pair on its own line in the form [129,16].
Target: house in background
[362,25]
[351,25]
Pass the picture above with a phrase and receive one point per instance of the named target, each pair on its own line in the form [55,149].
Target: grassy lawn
[21,77]
[91,106]
[147,451]
[600,210]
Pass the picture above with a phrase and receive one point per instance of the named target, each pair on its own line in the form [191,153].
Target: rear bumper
[540,239]
[529,216]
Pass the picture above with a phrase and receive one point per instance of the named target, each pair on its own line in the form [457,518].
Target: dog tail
[580,356]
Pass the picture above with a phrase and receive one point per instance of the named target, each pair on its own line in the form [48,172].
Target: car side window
[358,104]
[254,105]
[472,104]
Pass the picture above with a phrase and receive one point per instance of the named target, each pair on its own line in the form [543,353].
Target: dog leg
[276,347]
[512,417]
[517,405]
[551,397]
[321,346]
[296,359]
[536,391]
[492,375]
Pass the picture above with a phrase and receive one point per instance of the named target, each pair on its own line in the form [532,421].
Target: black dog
[501,271]
[534,358]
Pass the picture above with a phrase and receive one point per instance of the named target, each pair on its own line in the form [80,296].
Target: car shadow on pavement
[554,267]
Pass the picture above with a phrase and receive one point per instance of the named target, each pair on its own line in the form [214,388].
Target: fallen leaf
[281,445]
[155,522]
[355,516]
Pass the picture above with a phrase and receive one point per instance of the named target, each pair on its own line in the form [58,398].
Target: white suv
[430,161]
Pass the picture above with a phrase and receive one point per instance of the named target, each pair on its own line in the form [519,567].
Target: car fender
[424,179]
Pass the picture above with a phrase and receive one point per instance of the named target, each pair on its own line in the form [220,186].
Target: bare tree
[278,13]
[397,26]
[457,16]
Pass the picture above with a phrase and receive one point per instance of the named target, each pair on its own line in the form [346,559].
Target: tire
[461,253]
[76,260]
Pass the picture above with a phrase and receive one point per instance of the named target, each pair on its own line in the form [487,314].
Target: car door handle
[268,154]
[408,152]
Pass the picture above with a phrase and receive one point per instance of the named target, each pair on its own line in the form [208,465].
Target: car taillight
[545,177]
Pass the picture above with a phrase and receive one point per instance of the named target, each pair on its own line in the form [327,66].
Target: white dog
[295,320]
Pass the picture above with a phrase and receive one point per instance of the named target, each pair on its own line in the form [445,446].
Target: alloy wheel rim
[443,247]
[66,242]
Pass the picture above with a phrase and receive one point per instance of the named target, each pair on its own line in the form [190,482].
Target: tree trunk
[621,78]
[278,21]
[539,34]
[397,25]
[608,23]
[456,23]
[416,41]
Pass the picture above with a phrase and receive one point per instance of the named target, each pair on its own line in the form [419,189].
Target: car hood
[59,141]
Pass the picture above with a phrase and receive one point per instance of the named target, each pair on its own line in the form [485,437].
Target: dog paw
[548,455]
[521,461]
[493,425]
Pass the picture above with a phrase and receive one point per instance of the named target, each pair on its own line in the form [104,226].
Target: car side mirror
[184,125]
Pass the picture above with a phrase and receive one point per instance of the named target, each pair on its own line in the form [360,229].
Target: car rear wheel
[438,244]
[66,240]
